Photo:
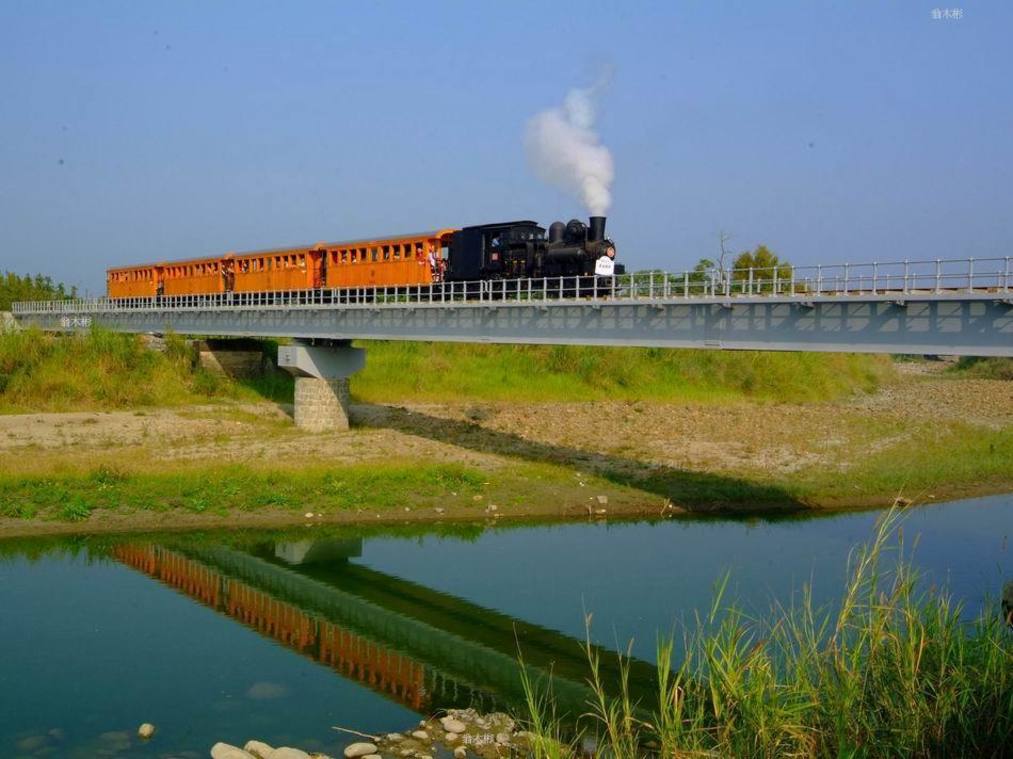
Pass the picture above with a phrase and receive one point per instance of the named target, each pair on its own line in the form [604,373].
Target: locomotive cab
[495,251]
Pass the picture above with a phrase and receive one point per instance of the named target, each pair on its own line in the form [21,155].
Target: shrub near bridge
[97,369]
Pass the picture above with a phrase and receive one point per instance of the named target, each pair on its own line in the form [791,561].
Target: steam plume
[563,149]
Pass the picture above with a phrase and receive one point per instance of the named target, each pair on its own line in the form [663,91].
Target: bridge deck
[932,307]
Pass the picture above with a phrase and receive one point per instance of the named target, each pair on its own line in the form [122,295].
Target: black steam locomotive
[520,249]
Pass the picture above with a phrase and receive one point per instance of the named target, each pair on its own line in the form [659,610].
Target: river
[280,635]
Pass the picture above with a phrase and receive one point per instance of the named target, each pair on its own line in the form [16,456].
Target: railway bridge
[942,306]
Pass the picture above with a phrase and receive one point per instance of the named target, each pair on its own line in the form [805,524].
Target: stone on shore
[452,725]
[259,749]
[146,730]
[358,750]
[421,735]
[288,753]
[460,752]
[225,751]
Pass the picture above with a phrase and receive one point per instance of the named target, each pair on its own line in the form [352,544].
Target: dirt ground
[741,439]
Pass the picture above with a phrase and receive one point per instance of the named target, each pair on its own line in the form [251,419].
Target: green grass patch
[937,460]
[107,370]
[435,372]
[984,368]
[220,490]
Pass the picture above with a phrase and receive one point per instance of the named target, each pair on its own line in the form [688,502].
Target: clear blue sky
[830,131]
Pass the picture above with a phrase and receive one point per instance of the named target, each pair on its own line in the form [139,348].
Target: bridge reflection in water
[419,647]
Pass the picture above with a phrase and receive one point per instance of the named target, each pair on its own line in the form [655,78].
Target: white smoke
[564,150]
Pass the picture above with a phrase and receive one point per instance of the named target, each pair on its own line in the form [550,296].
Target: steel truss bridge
[939,306]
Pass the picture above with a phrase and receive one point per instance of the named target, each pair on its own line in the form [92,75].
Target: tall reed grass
[893,669]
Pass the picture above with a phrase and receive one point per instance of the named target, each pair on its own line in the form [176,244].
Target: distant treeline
[14,287]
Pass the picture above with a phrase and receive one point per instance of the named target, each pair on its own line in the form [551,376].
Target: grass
[934,461]
[222,490]
[894,669]
[362,491]
[985,368]
[436,372]
[106,370]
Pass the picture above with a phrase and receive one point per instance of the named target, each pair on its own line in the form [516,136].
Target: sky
[829,131]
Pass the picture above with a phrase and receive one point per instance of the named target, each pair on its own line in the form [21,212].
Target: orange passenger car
[404,260]
[400,261]
[270,270]
[133,281]
[198,275]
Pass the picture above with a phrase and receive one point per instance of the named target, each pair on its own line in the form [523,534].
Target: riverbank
[923,436]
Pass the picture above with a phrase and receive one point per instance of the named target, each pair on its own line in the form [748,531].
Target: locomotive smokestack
[597,230]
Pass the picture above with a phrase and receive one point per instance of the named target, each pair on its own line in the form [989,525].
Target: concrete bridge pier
[321,373]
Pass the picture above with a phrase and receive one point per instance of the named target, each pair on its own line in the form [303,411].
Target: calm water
[230,636]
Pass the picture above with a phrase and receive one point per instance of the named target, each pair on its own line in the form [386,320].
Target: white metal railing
[935,276]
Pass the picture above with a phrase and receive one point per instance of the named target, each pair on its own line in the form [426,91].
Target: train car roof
[288,249]
[429,233]
[499,224]
[176,262]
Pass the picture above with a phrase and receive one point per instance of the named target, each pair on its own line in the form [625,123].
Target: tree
[764,265]
[14,288]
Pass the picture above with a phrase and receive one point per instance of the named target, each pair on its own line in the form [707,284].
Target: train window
[344,256]
[373,252]
[386,252]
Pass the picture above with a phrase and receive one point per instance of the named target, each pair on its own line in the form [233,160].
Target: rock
[452,725]
[395,737]
[603,500]
[503,738]
[451,737]
[309,514]
[31,743]
[288,753]
[439,509]
[372,756]
[493,507]
[359,749]
[146,730]
[421,735]
[460,752]
[225,751]
[259,749]
[901,502]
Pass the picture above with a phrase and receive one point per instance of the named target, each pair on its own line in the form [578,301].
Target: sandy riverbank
[926,436]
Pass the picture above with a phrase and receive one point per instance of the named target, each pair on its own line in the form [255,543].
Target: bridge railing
[935,276]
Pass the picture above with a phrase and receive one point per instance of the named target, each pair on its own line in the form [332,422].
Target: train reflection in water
[419,647]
